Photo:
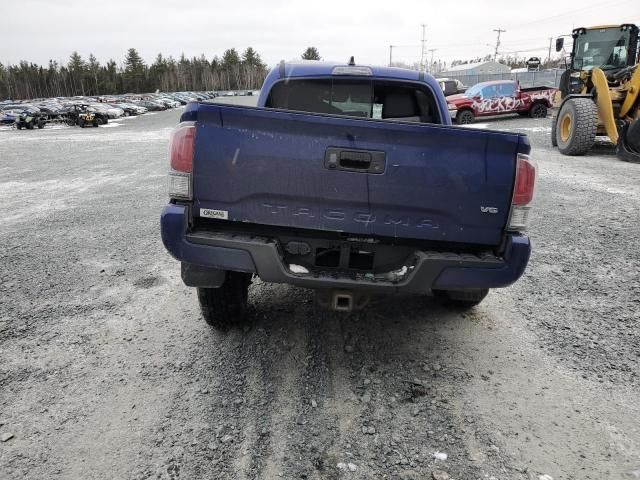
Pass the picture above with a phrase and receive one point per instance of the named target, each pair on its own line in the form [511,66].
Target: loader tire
[226,306]
[577,125]
[554,128]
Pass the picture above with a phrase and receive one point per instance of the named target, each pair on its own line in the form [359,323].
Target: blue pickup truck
[349,180]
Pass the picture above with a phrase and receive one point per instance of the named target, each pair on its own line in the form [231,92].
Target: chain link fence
[526,79]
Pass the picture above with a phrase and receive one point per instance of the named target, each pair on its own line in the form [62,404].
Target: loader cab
[608,47]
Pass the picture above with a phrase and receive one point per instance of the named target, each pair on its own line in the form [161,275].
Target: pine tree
[134,72]
[76,68]
[311,53]
[251,57]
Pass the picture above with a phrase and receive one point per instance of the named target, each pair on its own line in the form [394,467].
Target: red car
[500,97]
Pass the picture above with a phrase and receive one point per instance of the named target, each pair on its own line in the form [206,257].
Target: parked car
[7,117]
[130,109]
[109,110]
[451,86]
[500,97]
[152,106]
[365,189]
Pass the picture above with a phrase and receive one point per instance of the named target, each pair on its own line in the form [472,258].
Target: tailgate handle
[355,160]
[366,161]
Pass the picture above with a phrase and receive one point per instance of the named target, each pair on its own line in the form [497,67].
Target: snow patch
[534,129]
[442,456]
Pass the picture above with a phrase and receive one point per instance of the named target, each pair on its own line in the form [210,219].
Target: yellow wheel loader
[600,92]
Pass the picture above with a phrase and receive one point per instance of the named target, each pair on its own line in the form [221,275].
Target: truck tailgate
[364,177]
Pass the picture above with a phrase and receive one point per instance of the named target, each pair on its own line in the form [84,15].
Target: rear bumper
[428,270]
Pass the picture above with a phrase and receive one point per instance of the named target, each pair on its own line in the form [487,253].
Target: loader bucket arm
[603,101]
[633,89]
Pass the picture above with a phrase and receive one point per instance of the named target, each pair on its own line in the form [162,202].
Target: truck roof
[319,69]
[302,68]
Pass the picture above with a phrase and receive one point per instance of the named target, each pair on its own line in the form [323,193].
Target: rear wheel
[95,123]
[30,125]
[462,298]
[81,123]
[577,125]
[464,117]
[19,126]
[226,306]
[538,110]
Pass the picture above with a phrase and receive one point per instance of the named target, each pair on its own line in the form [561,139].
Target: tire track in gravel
[321,396]
[284,375]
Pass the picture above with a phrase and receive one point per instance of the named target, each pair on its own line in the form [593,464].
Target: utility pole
[499,30]
[431,62]
[549,57]
[422,54]
[390,54]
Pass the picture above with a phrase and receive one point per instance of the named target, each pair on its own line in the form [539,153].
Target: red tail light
[525,181]
[181,158]
[181,149]
[523,191]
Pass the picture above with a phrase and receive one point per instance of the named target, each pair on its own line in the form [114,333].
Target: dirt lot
[108,372]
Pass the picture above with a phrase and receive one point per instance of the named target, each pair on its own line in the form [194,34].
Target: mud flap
[205,277]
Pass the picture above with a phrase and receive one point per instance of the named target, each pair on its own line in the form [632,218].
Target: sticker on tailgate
[219,214]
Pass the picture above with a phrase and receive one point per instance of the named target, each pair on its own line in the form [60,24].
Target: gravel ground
[108,371]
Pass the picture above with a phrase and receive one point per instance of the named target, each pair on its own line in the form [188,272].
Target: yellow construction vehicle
[600,92]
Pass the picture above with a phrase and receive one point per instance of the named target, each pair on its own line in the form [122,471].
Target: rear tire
[462,298]
[226,306]
[577,125]
[554,130]
[95,123]
[30,126]
[81,123]
[465,117]
[538,110]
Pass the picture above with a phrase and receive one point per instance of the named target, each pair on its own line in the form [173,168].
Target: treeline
[88,77]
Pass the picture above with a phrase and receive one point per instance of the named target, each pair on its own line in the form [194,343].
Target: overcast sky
[39,30]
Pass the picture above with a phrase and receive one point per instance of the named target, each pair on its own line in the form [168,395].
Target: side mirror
[559,44]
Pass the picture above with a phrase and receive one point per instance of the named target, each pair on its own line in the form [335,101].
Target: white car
[110,111]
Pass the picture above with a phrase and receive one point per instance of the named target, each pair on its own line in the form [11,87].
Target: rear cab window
[362,98]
